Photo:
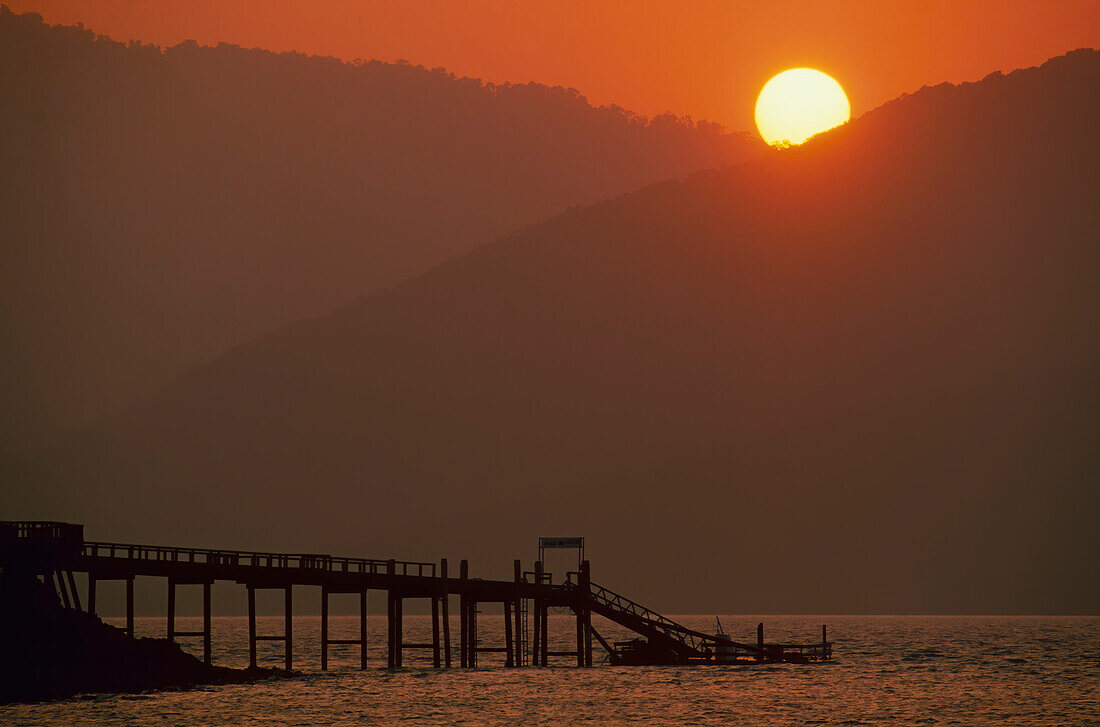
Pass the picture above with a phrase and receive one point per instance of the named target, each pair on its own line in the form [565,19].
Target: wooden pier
[55,551]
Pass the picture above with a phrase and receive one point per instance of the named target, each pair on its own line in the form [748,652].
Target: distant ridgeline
[162,206]
[856,376]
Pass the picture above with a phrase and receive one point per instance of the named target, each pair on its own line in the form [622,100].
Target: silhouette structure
[53,651]
[52,551]
[865,366]
[162,206]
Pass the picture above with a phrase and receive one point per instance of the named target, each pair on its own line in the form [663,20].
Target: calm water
[900,670]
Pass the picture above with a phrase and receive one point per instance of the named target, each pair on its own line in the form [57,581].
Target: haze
[266,301]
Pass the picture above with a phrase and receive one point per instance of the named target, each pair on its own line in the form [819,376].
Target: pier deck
[54,551]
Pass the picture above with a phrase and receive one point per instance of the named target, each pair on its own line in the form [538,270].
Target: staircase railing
[691,640]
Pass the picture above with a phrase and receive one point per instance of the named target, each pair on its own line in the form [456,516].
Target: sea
[904,670]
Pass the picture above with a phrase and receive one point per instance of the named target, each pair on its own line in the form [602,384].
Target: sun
[799,103]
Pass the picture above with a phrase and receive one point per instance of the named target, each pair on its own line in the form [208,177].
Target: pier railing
[696,642]
[53,551]
[254,559]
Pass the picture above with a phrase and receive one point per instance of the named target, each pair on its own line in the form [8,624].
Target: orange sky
[705,58]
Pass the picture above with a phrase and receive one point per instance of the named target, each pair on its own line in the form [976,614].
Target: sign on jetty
[54,551]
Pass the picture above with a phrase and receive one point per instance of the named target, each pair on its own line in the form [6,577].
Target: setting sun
[799,103]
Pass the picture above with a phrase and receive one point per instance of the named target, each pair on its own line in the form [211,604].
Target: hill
[731,384]
[52,652]
[163,205]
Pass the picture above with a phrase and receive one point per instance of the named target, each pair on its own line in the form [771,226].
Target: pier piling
[324,628]
[435,631]
[517,599]
[251,626]
[446,604]
[536,622]
[54,551]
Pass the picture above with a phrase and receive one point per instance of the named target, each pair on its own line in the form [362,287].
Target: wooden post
[61,589]
[517,577]
[584,638]
[472,632]
[252,626]
[399,631]
[580,634]
[363,629]
[446,615]
[760,635]
[171,609]
[289,627]
[130,607]
[509,658]
[463,635]
[91,593]
[545,632]
[207,623]
[324,627]
[389,630]
[391,615]
[463,615]
[536,622]
[586,594]
[76,593]
[435,632]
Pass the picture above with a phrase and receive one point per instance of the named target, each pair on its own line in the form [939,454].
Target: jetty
[55,551]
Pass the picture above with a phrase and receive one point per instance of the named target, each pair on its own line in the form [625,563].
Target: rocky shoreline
[50,652]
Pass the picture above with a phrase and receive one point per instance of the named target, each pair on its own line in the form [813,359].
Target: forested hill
[732,384]
[163,205]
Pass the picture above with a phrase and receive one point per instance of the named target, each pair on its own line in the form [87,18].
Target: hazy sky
[705,58]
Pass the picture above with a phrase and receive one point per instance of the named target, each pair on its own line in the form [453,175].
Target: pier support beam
[435,632]
[509,658]
[446,604]
[471,631]
[580,635]
[60,577]
[93,596]
[363,629]
[76,594]
[171,610]
[207,619]
[252,626]
[544,648]
[394,602]
[207,623]
[130,607]
[391,616]
[324,628]
[463,616]
[399,630]
[517,578]
[536,621]
[586,613]
[288,623]
[326,638]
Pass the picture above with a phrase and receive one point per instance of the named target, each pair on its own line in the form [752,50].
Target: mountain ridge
[899,315]
[163,205]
